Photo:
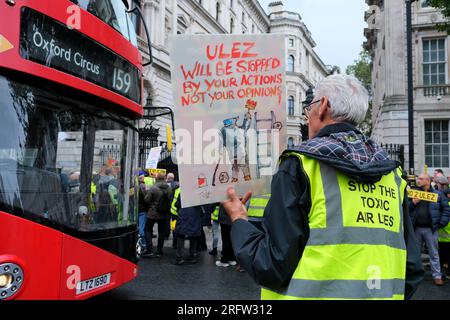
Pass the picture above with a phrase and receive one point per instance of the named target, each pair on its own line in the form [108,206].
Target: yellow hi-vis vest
[356,248]
[173,208]
[149,182]
[444,233]
[215,214]
[257,206]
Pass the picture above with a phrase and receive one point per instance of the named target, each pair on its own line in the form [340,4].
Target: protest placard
[230,114]
[155,172]
[153,158]
[421,195]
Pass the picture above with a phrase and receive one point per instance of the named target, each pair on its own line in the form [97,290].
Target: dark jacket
[143,206]
[189,220]
[272,254]
[223,217]
[439,211]
[155,195]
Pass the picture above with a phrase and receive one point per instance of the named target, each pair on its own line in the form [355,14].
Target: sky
[337,27]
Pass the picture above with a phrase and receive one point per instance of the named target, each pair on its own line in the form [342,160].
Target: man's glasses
[307,108]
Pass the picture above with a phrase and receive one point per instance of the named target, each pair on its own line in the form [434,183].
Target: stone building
[386,40]
[165,17]
[304,67]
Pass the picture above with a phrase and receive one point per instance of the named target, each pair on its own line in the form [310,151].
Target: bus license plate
[94,283]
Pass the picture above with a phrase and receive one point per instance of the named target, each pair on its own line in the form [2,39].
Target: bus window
[112,12]
[53,165]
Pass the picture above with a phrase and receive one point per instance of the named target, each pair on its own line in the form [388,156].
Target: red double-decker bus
[70,93]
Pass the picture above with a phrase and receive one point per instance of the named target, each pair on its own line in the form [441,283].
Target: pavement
[427,289]
[161,279]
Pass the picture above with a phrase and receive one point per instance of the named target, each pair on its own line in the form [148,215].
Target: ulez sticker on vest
[422,195]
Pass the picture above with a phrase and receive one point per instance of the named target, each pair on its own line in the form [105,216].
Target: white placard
[230,113]
[153,158]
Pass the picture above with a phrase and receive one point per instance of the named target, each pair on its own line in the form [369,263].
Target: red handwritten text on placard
[238,50]
[230,72]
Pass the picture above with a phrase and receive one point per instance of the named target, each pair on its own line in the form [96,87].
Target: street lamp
[410,85]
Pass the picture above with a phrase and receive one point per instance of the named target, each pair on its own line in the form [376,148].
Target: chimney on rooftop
[276,6]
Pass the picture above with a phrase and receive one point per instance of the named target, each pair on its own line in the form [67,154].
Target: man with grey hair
[171,181]
[337,223]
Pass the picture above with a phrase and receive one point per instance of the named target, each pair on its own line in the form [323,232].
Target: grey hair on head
[349,100]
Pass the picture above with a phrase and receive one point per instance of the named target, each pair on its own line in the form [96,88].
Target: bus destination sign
[51,43]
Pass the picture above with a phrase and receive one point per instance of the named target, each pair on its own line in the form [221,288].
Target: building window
[182,25]
[200,2]
[231,4]
[231,25]
[291,106]
[243,17]
[437,143]
[291,143]
[253,29]
[291,43]
[434,62]
[291,63]
[135,17]
[217,11]
[425,3]
[167,25]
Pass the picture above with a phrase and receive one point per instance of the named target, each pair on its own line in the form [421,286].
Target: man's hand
[234,207]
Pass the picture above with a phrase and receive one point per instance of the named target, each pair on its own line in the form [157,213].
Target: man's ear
[323,109]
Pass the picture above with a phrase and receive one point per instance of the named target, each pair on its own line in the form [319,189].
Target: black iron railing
[395,152]
[110,153]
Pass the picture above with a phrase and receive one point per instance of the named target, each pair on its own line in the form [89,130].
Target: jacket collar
[336,128]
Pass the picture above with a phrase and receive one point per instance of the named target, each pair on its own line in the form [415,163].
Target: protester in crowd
[428,218]
[143,209]
[437,173]
[189,225]
[444,243]
[441,182]
[171,181]
[158,199]
[174,215]
[206,221]
[228,258]
[215,230]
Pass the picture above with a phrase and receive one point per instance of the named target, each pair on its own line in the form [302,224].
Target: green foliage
[444,6]
[362,70]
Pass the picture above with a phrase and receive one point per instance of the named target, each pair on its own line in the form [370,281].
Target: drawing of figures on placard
[229,113]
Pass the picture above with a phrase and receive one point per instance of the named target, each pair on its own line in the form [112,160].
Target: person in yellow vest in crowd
[174,215]
[215,231]
[142,212]
[149,181]
[173,209]
[337,223]
[188,226]
[255,209]
[92,196]
[427,218]
[444,243]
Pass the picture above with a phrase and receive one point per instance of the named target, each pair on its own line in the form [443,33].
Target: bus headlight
[5,280]
[11,280]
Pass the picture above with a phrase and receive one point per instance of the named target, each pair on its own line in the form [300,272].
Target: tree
[362,70]
[444,6]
